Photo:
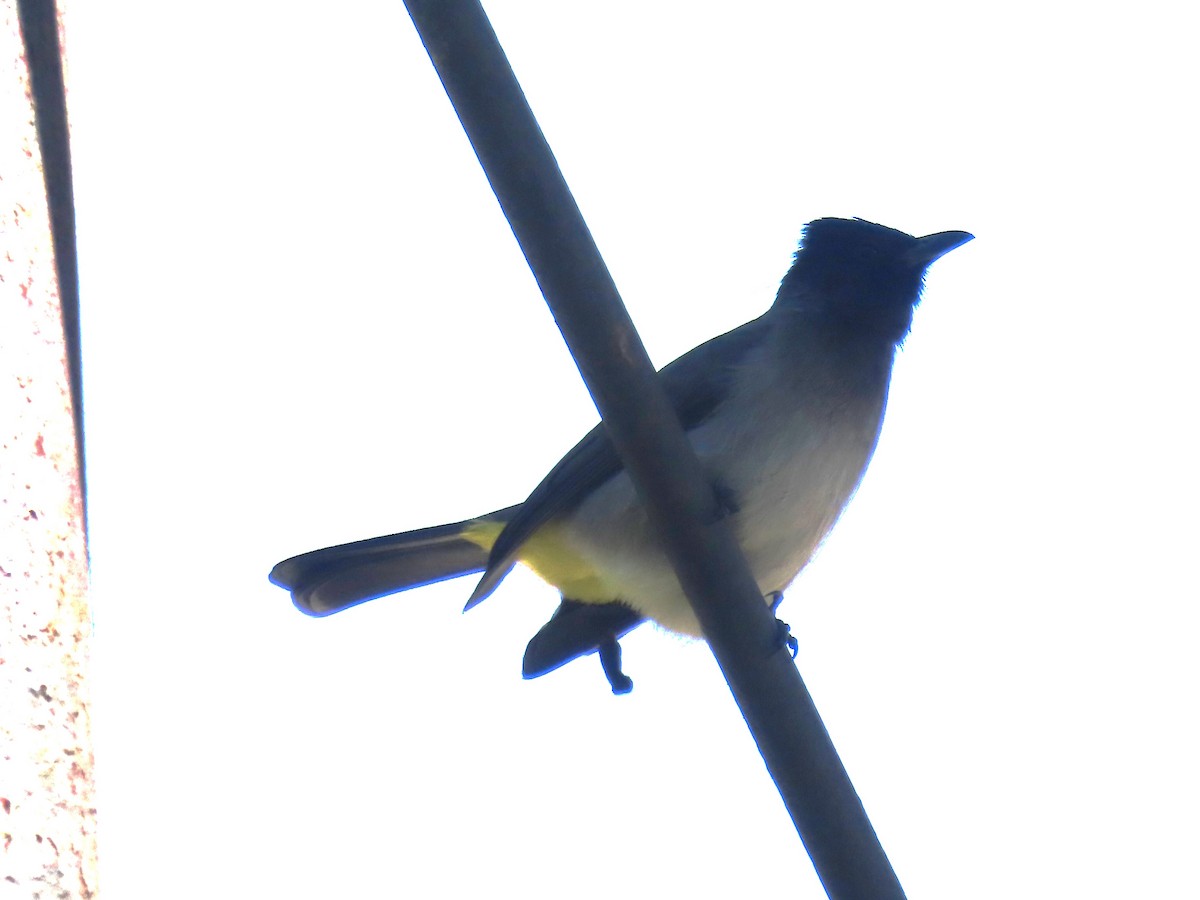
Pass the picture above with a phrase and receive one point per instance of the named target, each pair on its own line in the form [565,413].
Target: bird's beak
[933,246]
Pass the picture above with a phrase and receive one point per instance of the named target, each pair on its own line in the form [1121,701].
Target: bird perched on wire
[784,414]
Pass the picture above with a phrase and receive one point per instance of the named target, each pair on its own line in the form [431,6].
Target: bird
[784,414]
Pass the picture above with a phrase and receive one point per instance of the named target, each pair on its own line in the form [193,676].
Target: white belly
[790,477]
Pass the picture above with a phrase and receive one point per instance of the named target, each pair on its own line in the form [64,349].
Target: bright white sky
[306,322]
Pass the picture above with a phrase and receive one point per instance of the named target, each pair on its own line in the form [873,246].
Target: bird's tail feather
[335,578]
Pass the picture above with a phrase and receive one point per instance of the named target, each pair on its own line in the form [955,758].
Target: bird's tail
[335,578]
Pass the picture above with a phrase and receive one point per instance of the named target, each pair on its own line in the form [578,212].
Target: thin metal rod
[584,300]
[39,26]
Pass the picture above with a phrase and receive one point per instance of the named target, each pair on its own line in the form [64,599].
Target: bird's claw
[783,631]
[610,661]
[785,638]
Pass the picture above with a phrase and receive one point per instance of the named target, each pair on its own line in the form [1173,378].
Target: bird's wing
[695,383]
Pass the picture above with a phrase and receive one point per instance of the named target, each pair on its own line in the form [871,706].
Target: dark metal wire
[584,300]
[43,54]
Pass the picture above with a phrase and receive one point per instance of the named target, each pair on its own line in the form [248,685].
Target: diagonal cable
[584,301]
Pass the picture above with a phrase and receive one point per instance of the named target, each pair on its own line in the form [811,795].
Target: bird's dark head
[861,278]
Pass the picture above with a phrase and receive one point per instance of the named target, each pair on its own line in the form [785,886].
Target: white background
[306,322]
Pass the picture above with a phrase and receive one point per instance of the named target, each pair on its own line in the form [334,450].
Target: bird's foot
[610,661]
[785,638]
[726,500]
[580,629]
[783,631]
